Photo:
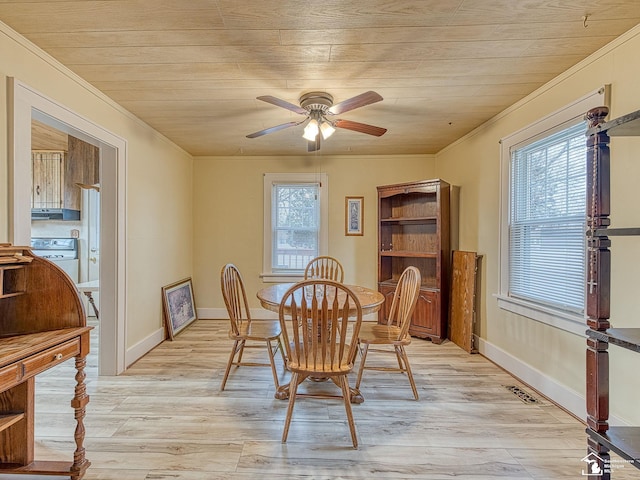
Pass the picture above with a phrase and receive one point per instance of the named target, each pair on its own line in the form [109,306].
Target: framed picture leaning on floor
[178,306]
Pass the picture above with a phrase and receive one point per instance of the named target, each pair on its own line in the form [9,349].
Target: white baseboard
[143,347]
[561,395]
[558,393]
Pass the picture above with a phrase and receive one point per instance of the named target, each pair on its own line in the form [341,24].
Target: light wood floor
[165,418]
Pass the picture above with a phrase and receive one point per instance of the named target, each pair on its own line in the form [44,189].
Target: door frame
[25,104]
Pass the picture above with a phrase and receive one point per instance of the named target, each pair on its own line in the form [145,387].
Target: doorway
[27,105]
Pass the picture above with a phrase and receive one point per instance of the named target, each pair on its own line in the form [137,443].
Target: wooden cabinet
[413,229]
[59,176]
[602,438]
[81,168]
[47,179]
[43,324]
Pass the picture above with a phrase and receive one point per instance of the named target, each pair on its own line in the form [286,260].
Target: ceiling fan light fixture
[317,107]
[326,129]
[311,130]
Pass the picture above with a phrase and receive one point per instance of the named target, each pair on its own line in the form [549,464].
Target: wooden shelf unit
[43,324]
[624,441]
[413,230]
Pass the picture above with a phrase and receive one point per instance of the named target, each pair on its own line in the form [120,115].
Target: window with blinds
[547,220]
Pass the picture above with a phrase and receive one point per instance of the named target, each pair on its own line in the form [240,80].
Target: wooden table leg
[79,403]
[93,304]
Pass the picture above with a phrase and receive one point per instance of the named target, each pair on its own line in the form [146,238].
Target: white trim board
[26,103]
[561,395]
[144,346]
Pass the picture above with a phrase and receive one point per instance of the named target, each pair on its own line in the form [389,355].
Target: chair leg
[234,349]
[363,359]
[241,351]
[399,357]
[346,394]
[293,390]
[281,347]
[272,360]
[402,352]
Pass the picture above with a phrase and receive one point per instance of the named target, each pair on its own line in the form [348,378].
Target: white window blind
[547,220]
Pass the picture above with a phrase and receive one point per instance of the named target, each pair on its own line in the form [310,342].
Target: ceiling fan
[318,108]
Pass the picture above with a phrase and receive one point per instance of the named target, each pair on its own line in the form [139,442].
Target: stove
[62,251]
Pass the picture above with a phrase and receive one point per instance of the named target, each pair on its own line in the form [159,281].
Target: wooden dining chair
[324,267]
[396,332]
[260,333]
[320,336]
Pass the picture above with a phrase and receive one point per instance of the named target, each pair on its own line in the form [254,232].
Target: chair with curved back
[396,331]
[320,321]
[324,267]
[245,329]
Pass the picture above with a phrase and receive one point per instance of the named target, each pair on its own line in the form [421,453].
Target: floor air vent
[522,395]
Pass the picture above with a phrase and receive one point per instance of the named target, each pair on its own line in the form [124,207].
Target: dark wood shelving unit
[624,441]
[628,338]
[413,230]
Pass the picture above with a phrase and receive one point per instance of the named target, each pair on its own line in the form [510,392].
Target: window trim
[563,118]
[269,179]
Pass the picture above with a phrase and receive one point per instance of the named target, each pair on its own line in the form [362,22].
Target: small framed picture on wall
[354,216]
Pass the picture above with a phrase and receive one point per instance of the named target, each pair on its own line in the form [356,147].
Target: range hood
[54,214]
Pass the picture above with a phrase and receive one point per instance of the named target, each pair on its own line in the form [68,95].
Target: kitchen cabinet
[414,230]
[58,178]
[81,169]
[47,179]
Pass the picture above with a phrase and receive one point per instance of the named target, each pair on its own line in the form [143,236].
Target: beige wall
[158,186]
[473,163]
[228,213]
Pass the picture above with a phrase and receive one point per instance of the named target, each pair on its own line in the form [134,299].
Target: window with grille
[295,222]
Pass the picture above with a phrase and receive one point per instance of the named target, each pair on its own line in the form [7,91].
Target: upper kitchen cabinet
[47,170]
[58,177]
[81,170]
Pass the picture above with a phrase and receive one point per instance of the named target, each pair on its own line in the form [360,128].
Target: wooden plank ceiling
[193,69]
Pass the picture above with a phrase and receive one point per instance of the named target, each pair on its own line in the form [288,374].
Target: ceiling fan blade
[313,145]
[273,129]
[282,103]
[366,98]
[360,127]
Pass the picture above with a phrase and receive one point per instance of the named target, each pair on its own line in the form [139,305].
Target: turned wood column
[79,404]
[598,283]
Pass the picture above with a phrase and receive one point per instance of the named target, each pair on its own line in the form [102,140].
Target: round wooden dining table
[270,298]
